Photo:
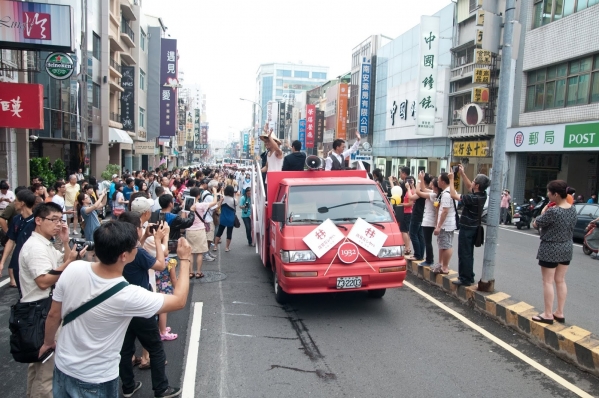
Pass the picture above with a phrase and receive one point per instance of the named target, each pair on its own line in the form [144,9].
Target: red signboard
[22,106]
[310,125]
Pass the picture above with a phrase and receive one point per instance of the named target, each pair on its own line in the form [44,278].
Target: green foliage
[110,170]
[40,167]
[58,169]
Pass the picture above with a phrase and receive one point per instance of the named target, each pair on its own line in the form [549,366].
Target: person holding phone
[246,213]
[407,211]
[196,233]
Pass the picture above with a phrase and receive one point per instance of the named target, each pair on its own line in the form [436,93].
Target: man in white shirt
[40,266]
[336,158]
[6,195]
[164,182]
[207,197]
[88,348]
[445,225]
[70,197]
[79,175]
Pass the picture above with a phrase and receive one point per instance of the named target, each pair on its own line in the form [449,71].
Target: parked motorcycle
[523,215]
[590,243]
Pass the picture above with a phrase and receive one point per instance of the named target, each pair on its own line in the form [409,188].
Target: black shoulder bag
[480,231]
[27,323]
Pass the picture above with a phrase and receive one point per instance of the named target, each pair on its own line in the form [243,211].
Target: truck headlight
[391,251]
[297,256]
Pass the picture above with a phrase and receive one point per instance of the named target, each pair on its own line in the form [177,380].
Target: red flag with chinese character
[22,106]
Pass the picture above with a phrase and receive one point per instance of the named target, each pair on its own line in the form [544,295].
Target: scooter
[523,215]
[590,243]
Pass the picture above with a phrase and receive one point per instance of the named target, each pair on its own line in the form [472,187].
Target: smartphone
[456,169]
[172,246]
[161,217]
[46,355]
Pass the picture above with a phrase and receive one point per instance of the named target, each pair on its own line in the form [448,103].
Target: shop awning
[119,136]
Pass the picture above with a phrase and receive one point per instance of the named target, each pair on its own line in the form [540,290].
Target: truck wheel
[376,293]
[280,296]
[586,250]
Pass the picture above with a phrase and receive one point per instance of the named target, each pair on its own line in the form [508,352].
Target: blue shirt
[128,191]
[246,201]
[19,231]
[136,272]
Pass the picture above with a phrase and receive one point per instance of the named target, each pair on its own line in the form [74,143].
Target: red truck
[335,212]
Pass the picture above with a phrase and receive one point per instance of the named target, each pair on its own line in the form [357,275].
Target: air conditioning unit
[457,115]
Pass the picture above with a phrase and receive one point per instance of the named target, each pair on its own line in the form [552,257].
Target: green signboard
[59,66]
[582,136]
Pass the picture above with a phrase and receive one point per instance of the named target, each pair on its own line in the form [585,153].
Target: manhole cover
[212,276]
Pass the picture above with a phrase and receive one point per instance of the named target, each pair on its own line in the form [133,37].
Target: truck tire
[376,293]
[280,296]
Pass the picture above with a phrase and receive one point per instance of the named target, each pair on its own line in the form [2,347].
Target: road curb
[571,343]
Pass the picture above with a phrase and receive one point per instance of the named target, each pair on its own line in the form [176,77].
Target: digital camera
[79,244]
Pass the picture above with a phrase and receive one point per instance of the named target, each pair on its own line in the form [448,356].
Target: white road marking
[4,282]
[228,313]
[224,366]
[239,335]
[560,380]
[527,234]
[189,376]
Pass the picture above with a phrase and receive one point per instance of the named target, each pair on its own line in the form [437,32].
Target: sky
[222,43]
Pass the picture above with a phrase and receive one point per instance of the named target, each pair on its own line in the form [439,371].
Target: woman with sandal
[196,234]
[227,217]
[556,223]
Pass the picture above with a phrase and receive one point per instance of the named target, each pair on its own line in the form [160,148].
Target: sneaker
[75,233]
[209,259]
[137,387]
[169,392]
[211,255]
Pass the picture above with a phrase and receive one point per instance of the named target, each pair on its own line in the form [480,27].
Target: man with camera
[174,221]
[40,266]
[469,221]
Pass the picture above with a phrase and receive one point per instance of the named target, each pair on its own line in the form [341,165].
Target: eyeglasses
[54,220]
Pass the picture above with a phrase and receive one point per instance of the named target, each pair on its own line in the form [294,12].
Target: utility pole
[487,282]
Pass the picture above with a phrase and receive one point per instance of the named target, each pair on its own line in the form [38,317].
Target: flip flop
[199,275]
[559,319]
[538,318]
[227,250]
[191,275]
[439,271]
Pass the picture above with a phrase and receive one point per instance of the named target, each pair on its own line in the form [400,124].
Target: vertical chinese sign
[310,126]
[128,97]
[246,142]
[342,111]
[204,133]
[196,128]
[302,132]
[168,87]
[281,121]
[319,127]
[189,127]
[364,98]
[427,82]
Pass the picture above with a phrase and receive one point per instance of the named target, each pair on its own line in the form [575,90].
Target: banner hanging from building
[22,106]
[427,82]
[203,133]
[128,97]
[342,111]
[189,126]
[310,126]
[319,127]
[365,81]
[196,126]
[246,141]
[36,26]
[168,87]
[302,132]
[281,119]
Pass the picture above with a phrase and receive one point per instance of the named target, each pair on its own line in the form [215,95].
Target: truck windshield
[319,202]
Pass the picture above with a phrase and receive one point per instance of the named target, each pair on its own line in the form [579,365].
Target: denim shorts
[64,385]
[445,239]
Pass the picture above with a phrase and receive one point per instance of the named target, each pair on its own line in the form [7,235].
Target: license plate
[516,220]
[349,282]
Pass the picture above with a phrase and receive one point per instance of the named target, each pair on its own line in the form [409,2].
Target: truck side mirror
[278,212]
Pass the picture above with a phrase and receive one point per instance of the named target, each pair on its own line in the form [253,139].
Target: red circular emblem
[348,252]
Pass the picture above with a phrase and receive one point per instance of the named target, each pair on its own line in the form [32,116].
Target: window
[96,46]
[283,73]
[301,73]
[142,79]
[319,75]
[566,84]
[279,92]
[142,40]
[142,117]
[279,82]
[96,95]
[546,11]
[473,5]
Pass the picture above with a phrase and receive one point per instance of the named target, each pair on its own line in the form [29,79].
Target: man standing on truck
[336,158]
[296,160]
[274,157]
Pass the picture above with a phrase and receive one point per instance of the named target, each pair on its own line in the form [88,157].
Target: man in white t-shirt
[6,195]
[72,189]
[445,224]
[40,266]
[207,197]
[88,348]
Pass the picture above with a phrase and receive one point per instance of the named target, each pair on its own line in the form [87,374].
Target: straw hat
[264,137]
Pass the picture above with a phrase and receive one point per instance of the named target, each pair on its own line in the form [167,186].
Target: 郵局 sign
[36,26]
[554,138]
[22,106]
[59,66]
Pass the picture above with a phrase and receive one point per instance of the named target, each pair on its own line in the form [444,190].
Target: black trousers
[428,240]
[466,253]
[248,228]
[146,331]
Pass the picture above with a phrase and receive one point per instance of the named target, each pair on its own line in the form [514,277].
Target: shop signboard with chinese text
[480,94]
[128,97]
[146,148]
[26,25]
[310,126]
[281,134]
[319,127]
[428,66]
[22,106]
[554,138]
[471,149]
[189,126]
[364,99]
[482,57]
[246,141]
[481,75]
[342,111]
[168,87]
[302,132]
[203,133]
[196,126]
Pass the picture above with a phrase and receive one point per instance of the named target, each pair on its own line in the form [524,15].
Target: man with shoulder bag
[470,227]
[40,268]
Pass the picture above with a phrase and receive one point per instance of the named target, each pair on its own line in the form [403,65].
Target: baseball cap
[114,176]
[141,204]
[205,181]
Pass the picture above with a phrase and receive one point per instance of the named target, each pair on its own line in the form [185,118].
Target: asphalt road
[344,344]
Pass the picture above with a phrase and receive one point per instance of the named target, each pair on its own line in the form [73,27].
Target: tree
[58,169]
[40,167]
[110,170]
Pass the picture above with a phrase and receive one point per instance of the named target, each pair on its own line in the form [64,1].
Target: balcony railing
[115,117]
[115,65]
[126,29]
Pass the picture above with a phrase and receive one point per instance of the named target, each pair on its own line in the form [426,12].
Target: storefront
[539,154]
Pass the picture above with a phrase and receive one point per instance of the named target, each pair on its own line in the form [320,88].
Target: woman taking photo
[89,213]
[196,234]
[118,201]
[556,224]
[246,213]
[428,189]
[227,216]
